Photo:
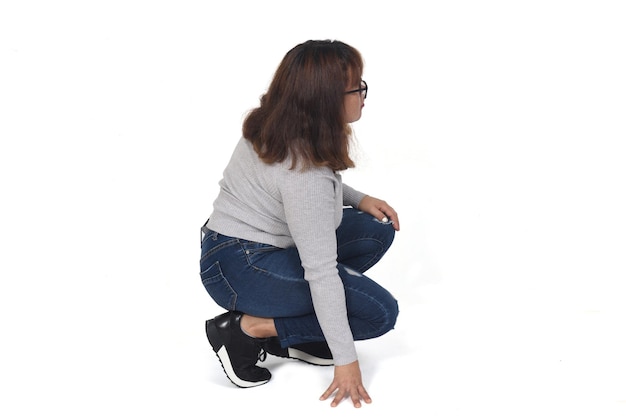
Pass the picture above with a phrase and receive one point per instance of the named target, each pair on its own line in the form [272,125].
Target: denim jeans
[266,281]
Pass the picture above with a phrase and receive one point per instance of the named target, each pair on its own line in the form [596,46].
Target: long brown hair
[302,113]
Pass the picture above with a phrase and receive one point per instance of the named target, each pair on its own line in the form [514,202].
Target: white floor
[445,358]
[457,350]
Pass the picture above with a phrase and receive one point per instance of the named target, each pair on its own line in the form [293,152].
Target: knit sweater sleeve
[352,197]
[312,201]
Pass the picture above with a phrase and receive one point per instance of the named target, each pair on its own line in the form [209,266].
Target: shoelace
[262,355]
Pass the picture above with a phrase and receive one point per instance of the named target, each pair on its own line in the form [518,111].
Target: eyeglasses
[362,90]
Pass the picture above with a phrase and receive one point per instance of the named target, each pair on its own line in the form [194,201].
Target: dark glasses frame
[362,90]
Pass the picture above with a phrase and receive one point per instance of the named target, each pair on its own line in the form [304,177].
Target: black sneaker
[237,351]
[315,353]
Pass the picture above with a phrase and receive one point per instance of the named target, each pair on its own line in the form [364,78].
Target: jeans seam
[375,257]
[214,249]
[379,332]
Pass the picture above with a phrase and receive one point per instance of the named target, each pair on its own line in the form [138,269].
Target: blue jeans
[266,281]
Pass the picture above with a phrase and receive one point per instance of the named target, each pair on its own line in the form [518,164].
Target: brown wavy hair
[302,113]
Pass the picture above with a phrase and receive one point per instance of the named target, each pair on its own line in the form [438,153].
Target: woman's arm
[313,211]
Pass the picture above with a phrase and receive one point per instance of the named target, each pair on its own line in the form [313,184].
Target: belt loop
[203,231]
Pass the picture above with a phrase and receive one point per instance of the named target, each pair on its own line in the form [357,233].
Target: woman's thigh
[362,239]
[256,278]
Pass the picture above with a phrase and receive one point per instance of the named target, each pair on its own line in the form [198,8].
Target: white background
[495,128]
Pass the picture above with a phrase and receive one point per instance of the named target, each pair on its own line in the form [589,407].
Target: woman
[280,252]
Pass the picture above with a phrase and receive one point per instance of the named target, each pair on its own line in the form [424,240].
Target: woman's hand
[380,209]
[347,383]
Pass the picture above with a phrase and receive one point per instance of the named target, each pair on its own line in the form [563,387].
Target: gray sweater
[269,203]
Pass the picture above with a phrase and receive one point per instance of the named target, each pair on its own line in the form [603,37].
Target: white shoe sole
[230,372]
[305,357]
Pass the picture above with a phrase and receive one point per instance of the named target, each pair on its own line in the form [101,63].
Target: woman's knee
[371,305]
[391,314]
[388,234]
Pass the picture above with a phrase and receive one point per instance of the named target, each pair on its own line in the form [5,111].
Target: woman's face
[354,101]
